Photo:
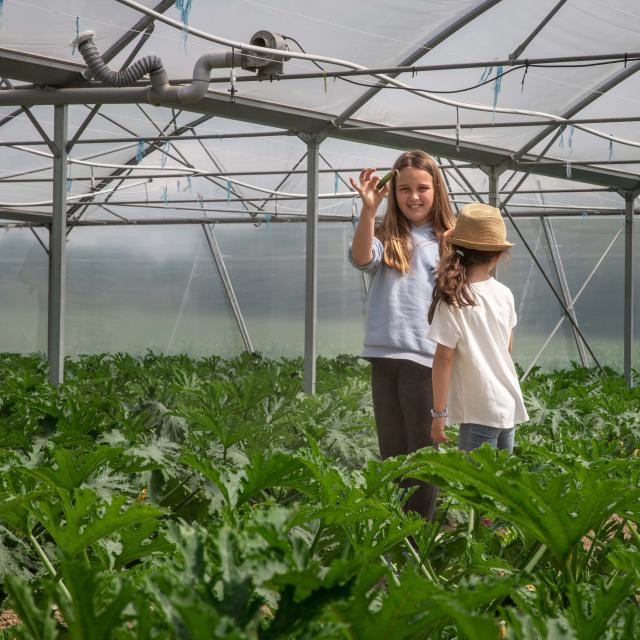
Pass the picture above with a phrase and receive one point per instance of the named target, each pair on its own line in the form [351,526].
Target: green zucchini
[385,178]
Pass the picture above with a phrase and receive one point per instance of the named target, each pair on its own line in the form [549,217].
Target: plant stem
[569,568]
[185,500]
[470,526]
[316,539]
[535,558]
[633,531]
[47,563]
[422,565]
[614,575]
[179,486]
[392,569]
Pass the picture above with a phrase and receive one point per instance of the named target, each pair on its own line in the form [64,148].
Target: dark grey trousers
[402,401]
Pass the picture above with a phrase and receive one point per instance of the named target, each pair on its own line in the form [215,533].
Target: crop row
[165,497]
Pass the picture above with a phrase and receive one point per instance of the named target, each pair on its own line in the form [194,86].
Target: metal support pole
[628,287]
[493,173]
[564,286]
[311,293]
[57,242]
[228,287]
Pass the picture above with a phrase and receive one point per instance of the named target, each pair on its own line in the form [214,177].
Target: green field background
[157,288]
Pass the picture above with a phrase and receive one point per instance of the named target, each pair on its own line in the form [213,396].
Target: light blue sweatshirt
[398,303]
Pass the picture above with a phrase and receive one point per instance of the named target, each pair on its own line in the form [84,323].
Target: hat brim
[480,246]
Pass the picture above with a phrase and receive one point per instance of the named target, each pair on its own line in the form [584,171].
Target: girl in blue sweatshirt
[401,253]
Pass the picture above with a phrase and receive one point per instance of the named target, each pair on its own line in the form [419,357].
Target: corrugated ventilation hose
[100,71]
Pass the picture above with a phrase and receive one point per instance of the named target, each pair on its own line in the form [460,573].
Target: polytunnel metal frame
[312,128]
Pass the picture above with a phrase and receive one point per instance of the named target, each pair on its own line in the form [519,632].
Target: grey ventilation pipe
[161,92]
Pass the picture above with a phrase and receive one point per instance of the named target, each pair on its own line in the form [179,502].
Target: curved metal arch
[455,25]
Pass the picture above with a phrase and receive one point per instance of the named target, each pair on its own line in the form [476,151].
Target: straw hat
[480,227]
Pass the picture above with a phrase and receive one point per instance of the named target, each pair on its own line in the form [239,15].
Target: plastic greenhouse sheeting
[500,92]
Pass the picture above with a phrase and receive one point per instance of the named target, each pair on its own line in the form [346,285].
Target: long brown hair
[452,277]
[395,230]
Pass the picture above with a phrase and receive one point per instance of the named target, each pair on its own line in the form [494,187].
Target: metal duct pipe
[200,83]
[161,92]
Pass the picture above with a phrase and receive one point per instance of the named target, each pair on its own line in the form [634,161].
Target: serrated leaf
[229,483]
[592,606]
[141,540]
[96,607]
[87,520]
[15,509]
[557,509]
[416,608]
[73,468]
[269,471]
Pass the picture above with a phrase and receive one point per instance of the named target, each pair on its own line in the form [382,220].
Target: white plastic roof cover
[368,35]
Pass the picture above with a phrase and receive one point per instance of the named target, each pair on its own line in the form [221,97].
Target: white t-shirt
[484,386]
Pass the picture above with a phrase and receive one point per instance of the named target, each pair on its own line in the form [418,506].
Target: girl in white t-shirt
[472,317]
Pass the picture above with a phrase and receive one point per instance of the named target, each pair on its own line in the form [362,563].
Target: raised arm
[361,246]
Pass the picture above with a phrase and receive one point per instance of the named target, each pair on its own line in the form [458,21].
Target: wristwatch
[439,414]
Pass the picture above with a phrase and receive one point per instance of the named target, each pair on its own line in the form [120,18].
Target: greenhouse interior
[175,181]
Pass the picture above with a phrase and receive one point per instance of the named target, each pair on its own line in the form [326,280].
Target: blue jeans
[471,436]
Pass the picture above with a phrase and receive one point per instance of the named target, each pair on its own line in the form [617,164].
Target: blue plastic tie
[561,141]
[165,196]
[140,150]
[568,168]
[165,151]
[497,85]
[199,196]
[73,51]
[184,7]
[485,74]
[188,183]
[336,183]
[570,140]
[69,181]
[228,191]
[267,220]
[610,150]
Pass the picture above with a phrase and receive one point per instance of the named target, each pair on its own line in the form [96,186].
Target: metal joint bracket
[314,137]
[634,193]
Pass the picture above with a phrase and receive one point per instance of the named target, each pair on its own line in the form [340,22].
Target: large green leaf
[591,607]
[97,603]
[15,509]
[87,519]
[558,507]
[269,471]
[72,468]
[226,481]
[140,541]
